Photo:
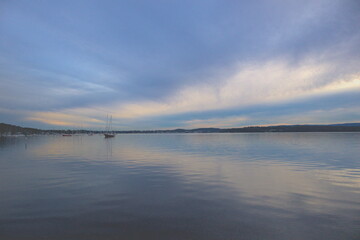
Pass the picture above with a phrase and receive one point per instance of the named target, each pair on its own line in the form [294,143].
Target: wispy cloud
[64,119]
[188,64]
[321,116]
[271,82]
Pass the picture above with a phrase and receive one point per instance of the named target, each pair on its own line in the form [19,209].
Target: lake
[181,186]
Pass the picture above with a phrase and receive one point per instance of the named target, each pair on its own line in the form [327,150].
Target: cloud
[63,119]
[321,116]
[147,63]
[216,122]
[270,83]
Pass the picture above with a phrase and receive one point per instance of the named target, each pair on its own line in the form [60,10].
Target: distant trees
[8,129]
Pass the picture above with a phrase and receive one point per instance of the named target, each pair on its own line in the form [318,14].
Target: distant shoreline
[8,129]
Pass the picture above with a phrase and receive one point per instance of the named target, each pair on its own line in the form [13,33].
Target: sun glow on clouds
[273,82]
[63,119]
[351,82]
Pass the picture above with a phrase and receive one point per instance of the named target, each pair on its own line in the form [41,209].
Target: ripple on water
[217,186]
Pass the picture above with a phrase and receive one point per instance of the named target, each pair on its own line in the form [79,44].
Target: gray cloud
[62,55]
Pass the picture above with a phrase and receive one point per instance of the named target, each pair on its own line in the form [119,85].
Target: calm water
[174,186]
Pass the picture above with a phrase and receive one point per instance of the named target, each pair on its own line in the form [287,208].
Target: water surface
[181,186]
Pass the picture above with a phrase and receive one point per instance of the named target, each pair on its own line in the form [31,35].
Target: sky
[165,64]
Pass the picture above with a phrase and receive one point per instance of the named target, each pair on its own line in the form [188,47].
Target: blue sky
[179,64]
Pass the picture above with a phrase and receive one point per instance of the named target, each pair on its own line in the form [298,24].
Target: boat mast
[107,123]
[110,124]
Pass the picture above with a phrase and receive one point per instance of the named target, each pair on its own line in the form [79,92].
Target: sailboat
[108,129]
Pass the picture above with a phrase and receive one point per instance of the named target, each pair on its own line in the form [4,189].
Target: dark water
[191,186]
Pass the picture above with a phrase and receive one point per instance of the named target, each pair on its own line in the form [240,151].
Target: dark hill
[12,129]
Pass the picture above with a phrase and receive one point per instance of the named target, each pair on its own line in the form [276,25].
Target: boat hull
[108,135]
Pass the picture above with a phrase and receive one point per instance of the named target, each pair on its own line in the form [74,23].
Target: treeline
[284,128]
[297,128]
[8,129]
